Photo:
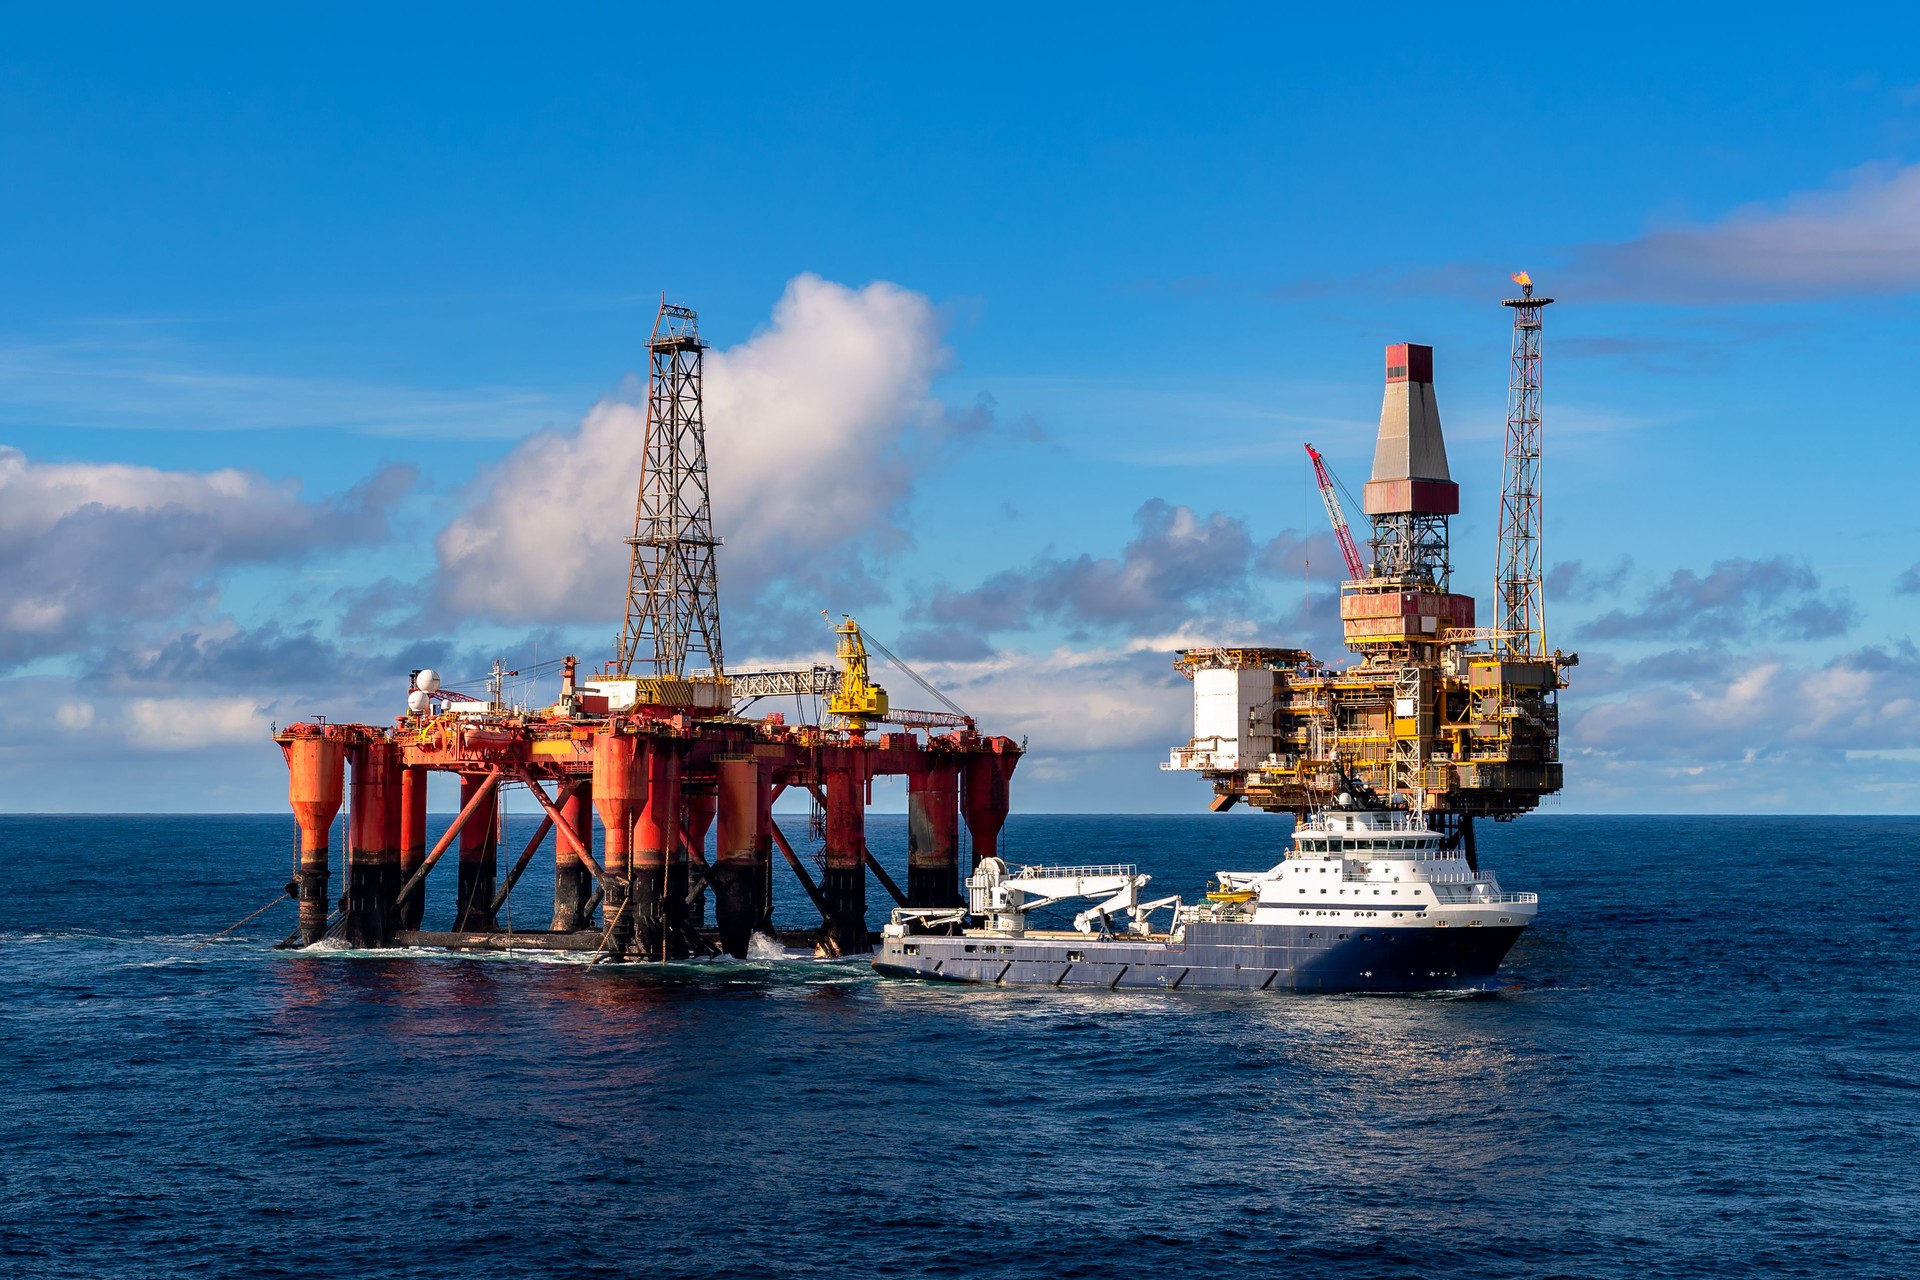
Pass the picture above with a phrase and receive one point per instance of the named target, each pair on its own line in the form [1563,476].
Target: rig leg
[933,837]
[843,881]
[659,920]
[618,787]
[413,841]
[984,797]
[702,803]
[315,782]
[736,879]
[572,882]
[763,854]
[479,859]
[373,861]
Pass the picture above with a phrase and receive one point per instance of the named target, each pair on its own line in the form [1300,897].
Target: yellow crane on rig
[853,700]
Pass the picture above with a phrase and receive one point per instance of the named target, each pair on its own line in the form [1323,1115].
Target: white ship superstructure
[1380,867]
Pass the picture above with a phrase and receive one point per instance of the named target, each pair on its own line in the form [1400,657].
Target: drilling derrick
[1519,606]
[673,599]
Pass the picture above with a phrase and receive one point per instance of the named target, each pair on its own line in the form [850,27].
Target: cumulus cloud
[190,724]
[1860,238]
[1180,569]
[1176,562]
[87,548]
[1755,707]
[1779,597]
[816,428]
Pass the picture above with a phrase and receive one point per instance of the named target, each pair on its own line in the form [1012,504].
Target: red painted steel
[619,788]
[572,882]
[373,854]
[984,798]
[701,803]
[736,884]
[933,836]
[843,882]
[413,840]
[729,769]
[657,846]
[479,858]
[1409,362]
[315,784]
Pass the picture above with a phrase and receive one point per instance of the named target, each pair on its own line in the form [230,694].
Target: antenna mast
[1519,602]
[673,598]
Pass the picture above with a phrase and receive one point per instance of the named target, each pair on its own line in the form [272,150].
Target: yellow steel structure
[858,700]
[1446,726]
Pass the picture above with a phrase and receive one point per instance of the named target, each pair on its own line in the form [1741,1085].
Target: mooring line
[230,928]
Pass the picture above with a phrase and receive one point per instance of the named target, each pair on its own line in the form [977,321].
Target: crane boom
[1356,569]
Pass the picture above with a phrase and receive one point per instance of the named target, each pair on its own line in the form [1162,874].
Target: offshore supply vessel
[1384,761]
[1367,899]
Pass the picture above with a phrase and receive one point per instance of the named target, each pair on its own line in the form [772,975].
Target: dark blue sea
[1703,1062]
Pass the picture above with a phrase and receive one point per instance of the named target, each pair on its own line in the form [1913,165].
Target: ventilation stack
[1407,602]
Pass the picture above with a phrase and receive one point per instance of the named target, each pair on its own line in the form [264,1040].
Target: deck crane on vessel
[1356,568]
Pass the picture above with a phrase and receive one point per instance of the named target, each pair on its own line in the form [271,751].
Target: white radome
[428,681]
[417,701]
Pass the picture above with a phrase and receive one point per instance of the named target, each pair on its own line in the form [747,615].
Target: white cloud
[74,716]
[1753,707]
[814,429]
[190,724]
[1861,238]
[88,546]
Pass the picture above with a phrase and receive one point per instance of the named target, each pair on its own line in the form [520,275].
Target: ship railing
[1456,894]
[1079,873]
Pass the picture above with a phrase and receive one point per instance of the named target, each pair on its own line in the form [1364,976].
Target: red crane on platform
[1356,568]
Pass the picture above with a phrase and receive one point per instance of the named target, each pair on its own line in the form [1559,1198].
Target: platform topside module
[1450,720]
[663,754]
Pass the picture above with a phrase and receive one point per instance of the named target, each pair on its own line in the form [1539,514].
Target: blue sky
[1019,320]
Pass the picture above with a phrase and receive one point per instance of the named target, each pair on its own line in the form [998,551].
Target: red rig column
[618,788]
[843,881]
[413,842]
[701,803]
[373,854]
[479,858]
[314,785]
[658,920]
[933,836]
[736,880]
[572,882]
[984,797]
[763,853]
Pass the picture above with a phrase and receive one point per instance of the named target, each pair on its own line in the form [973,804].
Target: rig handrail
[1076,873]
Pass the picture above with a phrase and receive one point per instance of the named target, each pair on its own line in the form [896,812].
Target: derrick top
[1410,474]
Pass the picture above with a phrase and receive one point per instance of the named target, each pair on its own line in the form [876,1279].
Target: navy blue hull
[1245,957]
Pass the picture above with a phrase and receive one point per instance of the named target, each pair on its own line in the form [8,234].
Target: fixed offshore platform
[1450,720]
[661,748]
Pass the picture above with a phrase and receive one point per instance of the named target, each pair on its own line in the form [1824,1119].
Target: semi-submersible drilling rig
[1452,720]
[662,748]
